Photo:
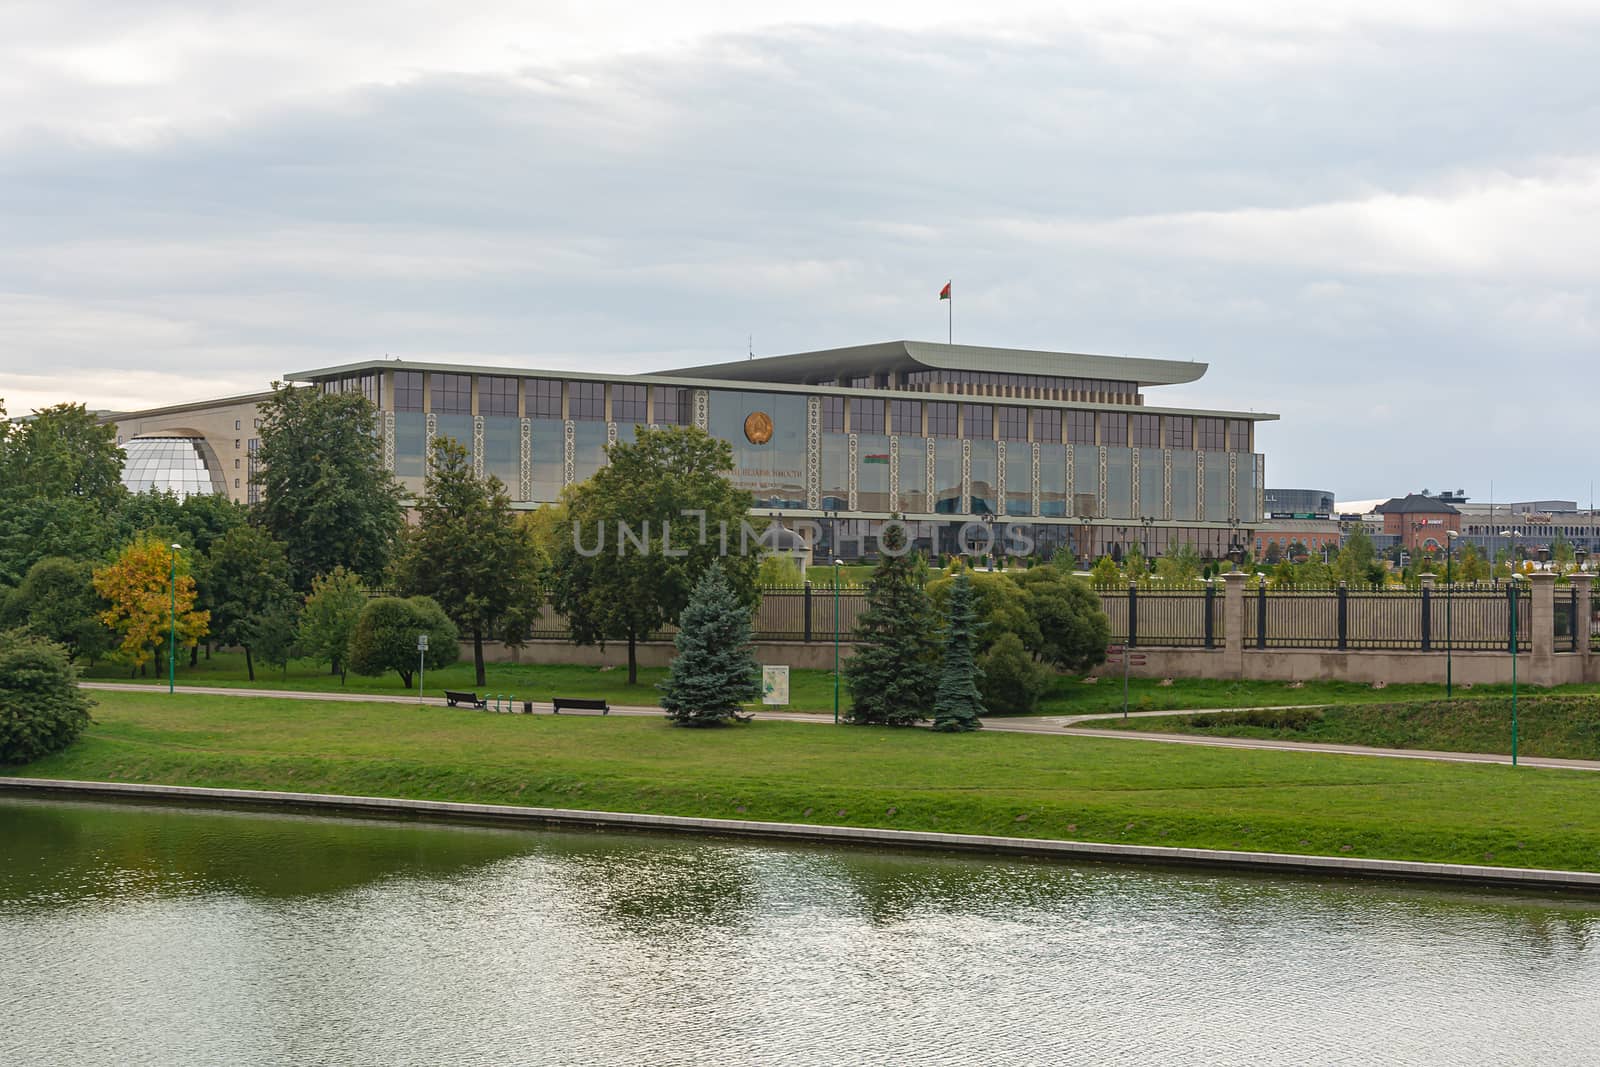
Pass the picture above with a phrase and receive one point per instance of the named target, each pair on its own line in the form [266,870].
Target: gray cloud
[1382,230]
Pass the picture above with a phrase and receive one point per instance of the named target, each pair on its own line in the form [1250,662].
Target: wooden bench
[579,704]
[469,699]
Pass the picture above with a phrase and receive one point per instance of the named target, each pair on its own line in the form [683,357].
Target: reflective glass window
[674,406]
[544,398]
[947,477]
[408,390]
[1013,424]
[942,419]
[1080,427]
[175,464]
[1019,480]
[1047,425]
[1238,435]
[451,394]
[1119,483]
[1180,431]
[872,472]
[586,402]
[1113,428]
[497,397]
[1053,480]
[866,416]
[1184,496]
[977,421]
[833,414]
[914,475]
[1147,431]
[1209,435]
[905,416]
[985,479]
[627,404]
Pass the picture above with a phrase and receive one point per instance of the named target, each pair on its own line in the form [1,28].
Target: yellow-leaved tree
[145,597]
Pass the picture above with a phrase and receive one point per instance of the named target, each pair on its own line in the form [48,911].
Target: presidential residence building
[1061,446]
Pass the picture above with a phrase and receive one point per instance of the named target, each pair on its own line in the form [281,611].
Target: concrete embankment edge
[438,810]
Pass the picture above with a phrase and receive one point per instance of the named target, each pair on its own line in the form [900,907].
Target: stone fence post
[1584,584]
[1233,624]
[1542,626]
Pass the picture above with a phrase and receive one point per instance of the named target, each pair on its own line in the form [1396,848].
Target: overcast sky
[1378,219]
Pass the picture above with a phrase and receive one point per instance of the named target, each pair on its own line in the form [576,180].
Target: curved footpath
[1043,724]
[1279,862]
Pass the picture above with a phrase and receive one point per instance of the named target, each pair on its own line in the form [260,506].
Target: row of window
[990,380]
[586,401]
[1008,423]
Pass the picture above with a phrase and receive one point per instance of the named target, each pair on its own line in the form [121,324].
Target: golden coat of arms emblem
[758,428]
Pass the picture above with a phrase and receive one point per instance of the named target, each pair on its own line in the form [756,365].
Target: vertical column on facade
[388,441]
[525,459]
[1102,505]
[569,452]
[1034,481]
[1261,487]
[1233,485]
[1233,624]
[702,409]
[1000,478]
[966,475]
[1072,489]
[1199,486]
[1166,484]
[1135,499]
[930,499]
[894,475]
[1542,626]
[814,452]
[430,423]
[477,441]
[850,478]
[611,433]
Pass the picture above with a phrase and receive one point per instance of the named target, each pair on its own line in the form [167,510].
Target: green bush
[386,637]
[1265,718]
[42,710]
[1012,682]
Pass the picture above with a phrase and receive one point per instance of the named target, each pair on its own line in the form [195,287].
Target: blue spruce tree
[958,704]
[714,672]
[892,673]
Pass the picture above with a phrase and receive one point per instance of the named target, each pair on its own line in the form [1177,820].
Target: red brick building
[1423,523]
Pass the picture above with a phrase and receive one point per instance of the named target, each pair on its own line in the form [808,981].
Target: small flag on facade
[944,294]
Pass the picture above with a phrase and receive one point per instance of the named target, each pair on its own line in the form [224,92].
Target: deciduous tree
[247,578]
[141,594]
[386,637]
[57,601]
[468,552]
[328,620]
[644,529]
[325,492]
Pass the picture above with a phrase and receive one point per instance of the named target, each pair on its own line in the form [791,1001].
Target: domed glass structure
[184,465]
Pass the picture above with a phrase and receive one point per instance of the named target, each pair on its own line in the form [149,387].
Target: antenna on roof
[750,344]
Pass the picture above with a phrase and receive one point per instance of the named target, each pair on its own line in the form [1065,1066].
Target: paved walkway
[1042,724]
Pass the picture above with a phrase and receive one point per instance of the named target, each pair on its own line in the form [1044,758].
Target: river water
[152,935]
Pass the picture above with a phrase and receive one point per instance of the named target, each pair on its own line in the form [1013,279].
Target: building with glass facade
[204,447]
[1059,446]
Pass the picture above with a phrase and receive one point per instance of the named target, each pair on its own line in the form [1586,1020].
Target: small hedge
[1265,718]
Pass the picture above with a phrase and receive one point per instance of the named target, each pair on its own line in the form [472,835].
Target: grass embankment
[1044,786]
[1560,727]
[809,690]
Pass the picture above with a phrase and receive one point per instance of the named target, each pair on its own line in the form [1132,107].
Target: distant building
[204,447]
[1420,522]
[1298,504]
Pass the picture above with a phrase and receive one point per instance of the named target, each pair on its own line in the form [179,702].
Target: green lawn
[1039,786]
[810,690]
[1562,727]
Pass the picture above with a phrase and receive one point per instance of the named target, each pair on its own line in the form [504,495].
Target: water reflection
[149,935]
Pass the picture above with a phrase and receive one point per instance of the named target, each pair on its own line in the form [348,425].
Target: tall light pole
[836,563]
[1511,586]
[172,622]
[1449,601]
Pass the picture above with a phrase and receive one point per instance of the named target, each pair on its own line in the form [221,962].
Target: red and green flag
[944,294]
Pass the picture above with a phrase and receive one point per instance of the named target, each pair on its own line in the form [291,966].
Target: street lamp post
[1511,586]
[1449,602]
[172,622]
[836,563]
